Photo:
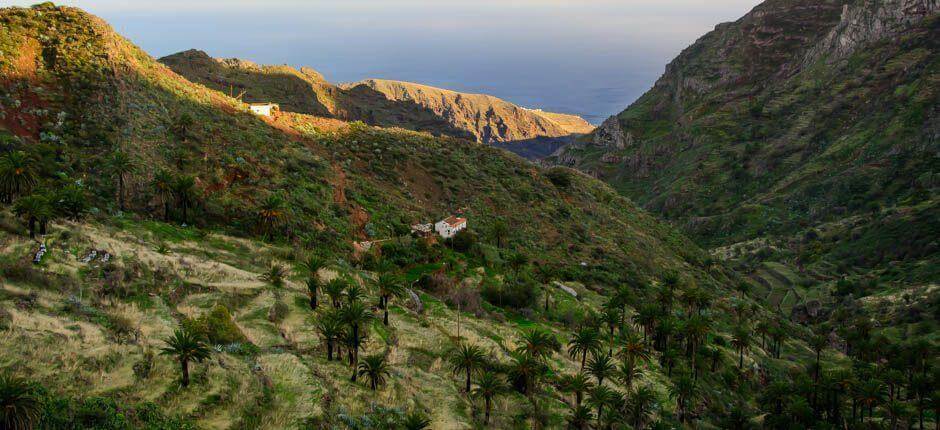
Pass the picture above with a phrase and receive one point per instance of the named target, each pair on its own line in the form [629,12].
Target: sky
[588,57]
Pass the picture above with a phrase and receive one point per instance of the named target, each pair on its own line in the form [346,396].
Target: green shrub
[6,320]
[217,327]
[278,312]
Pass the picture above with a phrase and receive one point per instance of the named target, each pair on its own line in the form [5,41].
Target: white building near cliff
[449,227]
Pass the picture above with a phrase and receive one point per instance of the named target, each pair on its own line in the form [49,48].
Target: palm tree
[416,421]
[186,346]
[17,175]
[612,317]
[488,387]
[121,165]
[375,367]
[354,293]
[601,396]
[163,186]
[517,261]
[467,359]
[601,367]
[20,408]
[389,286]
[895,409]
[525,371]
[580,417]
[330,327]
[310,268]
[576,384]
[271,214]
[741,340]
[586,340]
[641,402]
[869,394]
[335,290]
[355,315]
[682,391]
[274,276]
[35,209]
[634,349]
[628,373]
[818,343]
[538,343]
[499,231]
[184,188]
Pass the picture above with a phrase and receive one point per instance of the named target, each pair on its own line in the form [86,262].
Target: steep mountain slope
[485,119]
[489,119]
[304,91]
[801,117]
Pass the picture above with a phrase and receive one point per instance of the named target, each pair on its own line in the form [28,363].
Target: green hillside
[805,132]
[205,267]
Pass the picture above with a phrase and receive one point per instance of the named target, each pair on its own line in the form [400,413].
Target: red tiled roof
[455,221]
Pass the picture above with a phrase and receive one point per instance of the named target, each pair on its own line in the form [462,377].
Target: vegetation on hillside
[203,267]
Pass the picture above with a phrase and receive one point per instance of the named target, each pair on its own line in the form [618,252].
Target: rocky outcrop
[867,21]
[611,135]
[487,118]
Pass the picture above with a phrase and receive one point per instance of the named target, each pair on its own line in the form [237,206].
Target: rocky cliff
[488,118]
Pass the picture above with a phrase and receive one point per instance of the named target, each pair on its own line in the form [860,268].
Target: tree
[538,343]
[274,276]
[526,371]
[580,418]
[310,267]
[499,231]
[184,188]
[488,387]
[121,165]
[335,289]
[355,315]
[468,359]
[640,404]
[34,209]
[587,340]
[330,327]
[634,349]
[682,390]
[818,343]
[375,368]
[517,261]
[577,384]
[601,367]
[869,393]
[17,175]
[163,187]
[601,396]
[389,286]
[628,372]
[186,346]
[271,214]
[20,407]
[741,340]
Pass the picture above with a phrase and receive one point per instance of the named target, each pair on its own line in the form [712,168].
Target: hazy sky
[590,57]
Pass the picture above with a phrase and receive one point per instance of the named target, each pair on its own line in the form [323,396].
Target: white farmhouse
[448,227]
[263,109]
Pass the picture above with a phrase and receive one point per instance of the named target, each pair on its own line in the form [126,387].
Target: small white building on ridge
[448,227]
[263,109]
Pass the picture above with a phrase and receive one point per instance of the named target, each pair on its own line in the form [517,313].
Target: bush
[278,312]
[463,241]
[514,294]
[122,328]
[6,320]
[559,176]
[217,326]
[143,367]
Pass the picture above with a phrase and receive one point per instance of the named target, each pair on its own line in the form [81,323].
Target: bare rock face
[611,135]
[867,21]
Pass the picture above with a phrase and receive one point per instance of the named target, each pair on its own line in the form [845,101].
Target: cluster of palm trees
[344,324]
